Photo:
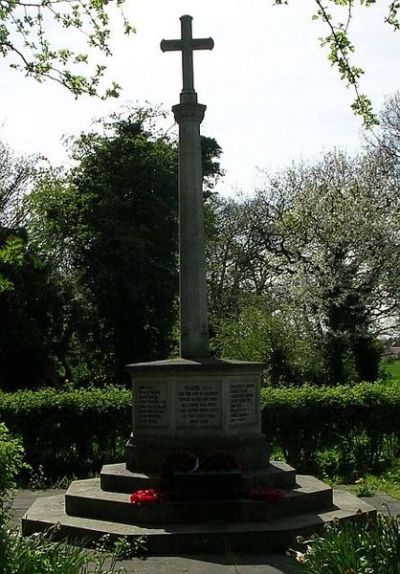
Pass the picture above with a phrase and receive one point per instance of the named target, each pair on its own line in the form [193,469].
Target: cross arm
[203,44]
[171,45]
[196,44]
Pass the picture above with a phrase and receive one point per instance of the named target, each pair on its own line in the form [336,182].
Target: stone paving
[227,563]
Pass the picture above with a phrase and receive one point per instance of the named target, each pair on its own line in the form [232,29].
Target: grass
[391,369]
[388,482]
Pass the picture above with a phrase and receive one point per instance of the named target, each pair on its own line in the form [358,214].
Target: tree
[385,140]
[324,239]
[110,225]
[31,316]
[16,174]
[262,329]
[29,33]
[341,226]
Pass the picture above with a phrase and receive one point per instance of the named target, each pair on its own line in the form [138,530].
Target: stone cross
[186,45]
[192,263]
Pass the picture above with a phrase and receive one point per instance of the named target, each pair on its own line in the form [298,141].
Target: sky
[271,95]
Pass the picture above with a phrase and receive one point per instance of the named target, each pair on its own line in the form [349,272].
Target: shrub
[360,422]
[38,554]
[280,339]
[354,548]
[69,432]
[11,460]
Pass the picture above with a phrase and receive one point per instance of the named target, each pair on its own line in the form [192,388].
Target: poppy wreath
[149,496]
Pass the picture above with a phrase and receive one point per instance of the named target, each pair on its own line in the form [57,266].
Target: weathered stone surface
[192,261]
[172,539]
[117,478]
[199,406]
[145,453]
[201,364]
[85,498]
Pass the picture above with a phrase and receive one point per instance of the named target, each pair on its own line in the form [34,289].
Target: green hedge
[76,431]
[69,432]
[361,423]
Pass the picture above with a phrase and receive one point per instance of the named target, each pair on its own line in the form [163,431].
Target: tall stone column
[192,280]
[192,268]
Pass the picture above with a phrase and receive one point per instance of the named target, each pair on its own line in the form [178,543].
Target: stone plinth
[196,405]
[88,512]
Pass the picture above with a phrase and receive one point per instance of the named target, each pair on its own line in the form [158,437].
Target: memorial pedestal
[201,406]
[195,405]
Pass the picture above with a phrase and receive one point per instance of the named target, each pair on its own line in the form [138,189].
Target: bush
[39,554]
[11,460]
[354,548]
[69,432]
[358,425]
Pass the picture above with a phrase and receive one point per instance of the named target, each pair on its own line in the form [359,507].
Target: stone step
[116,477]
[175,539]
[85,498]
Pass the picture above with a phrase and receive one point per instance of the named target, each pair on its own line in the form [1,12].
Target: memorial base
[87,512]
[198,406]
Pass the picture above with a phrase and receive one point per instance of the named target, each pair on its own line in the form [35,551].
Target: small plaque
[151,405]
[198,405]
[243,403]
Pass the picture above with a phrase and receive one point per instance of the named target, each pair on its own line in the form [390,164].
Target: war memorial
[196,447]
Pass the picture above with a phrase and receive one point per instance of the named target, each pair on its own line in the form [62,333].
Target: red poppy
[149,496]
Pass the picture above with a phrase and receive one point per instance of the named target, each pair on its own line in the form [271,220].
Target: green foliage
[387,481]
[28,29]
[277,338]
[39,554]
[110,225]
[31,316]
[69,432]
[109,229]
[122,548]
[11,463]
[319,243]
[359,422]
[11,254]
[354,548]
[15,175]
[11,460]
[341,48]
[391,370]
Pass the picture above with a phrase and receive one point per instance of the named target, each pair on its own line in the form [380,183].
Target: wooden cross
[186,45]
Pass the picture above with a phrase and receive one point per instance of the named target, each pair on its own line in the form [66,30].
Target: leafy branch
[341,48]
[24,38]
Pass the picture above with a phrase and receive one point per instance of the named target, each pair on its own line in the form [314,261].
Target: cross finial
[186,45]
